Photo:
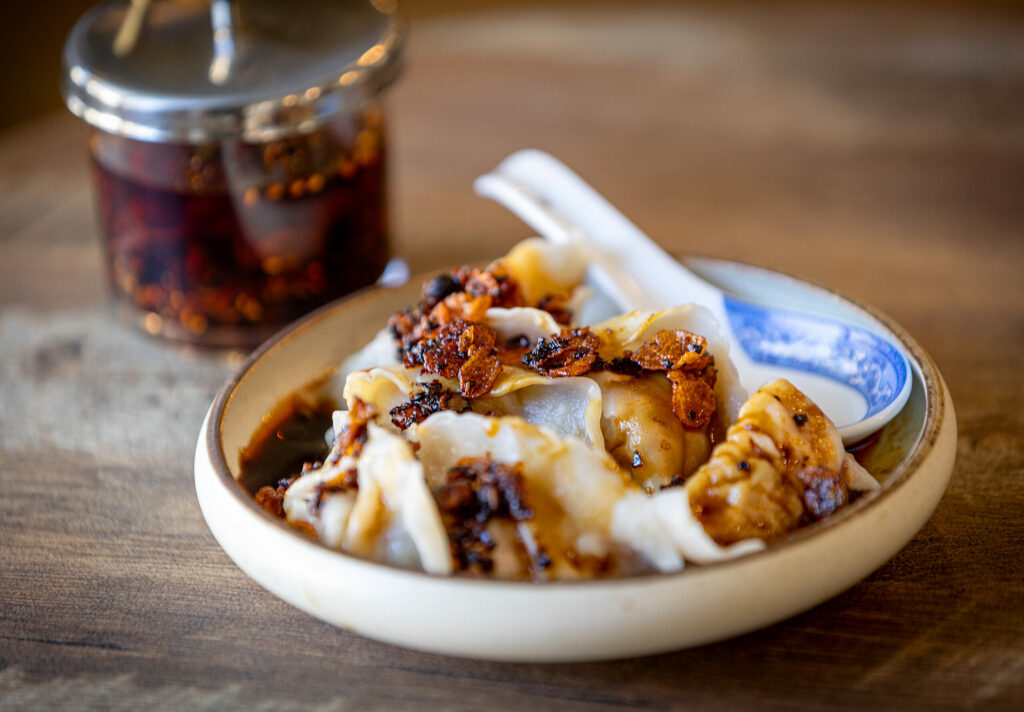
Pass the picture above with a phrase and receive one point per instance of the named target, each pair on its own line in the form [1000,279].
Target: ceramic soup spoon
[858,377]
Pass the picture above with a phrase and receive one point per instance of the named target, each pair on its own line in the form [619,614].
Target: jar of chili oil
[238,156]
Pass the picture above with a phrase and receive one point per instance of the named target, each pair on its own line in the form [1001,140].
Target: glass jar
[230,204]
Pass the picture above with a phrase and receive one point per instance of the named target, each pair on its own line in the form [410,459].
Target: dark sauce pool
[293,436]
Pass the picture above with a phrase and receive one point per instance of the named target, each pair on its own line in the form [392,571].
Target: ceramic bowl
[519,621]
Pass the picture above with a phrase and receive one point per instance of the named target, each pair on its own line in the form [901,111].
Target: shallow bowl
[912,456]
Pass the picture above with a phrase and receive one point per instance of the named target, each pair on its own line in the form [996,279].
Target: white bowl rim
[922,363]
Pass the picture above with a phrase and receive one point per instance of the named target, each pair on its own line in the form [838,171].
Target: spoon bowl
[860,378]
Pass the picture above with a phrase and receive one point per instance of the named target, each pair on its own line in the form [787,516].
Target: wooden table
[880,152]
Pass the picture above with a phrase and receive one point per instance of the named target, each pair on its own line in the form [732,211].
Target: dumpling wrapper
[544,269]
[642,432]
[781,450]
[521,321]
[391,518]
[586,509]
[570,406]
[630,332]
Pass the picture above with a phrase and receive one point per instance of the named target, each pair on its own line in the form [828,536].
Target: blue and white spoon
[859,378]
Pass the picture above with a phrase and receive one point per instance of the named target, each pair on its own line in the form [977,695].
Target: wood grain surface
[879,151]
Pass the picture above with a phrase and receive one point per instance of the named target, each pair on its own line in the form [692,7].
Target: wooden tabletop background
[879,151]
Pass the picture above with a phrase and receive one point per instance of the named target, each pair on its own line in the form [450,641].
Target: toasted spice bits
[684,358]
[476,491]
[623,364]
[463,295]
[511,352]
[823,491]
[572,353]
[433,397]
[495,283]
[461,350]
[435,290]
[459,306]
[349,442]
[405,328]
[800,418]
[557,306]
[673,351]
[693,396]
[271,499]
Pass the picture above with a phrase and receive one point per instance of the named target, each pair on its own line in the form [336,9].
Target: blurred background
[34,37]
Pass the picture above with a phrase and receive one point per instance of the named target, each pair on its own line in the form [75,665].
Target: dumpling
[782,465]
[633,330]
[322,498]
[387,514]
[515,322]
[569,488]
[642,432]
[579,515]
[544,269]
[570,406]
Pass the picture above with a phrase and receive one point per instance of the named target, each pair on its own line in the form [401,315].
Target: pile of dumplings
[496,430]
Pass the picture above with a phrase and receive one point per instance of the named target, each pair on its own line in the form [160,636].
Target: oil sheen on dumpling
[391,518]
[782,465]
[642,432]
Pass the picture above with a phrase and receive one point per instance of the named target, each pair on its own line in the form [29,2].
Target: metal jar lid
[191,72]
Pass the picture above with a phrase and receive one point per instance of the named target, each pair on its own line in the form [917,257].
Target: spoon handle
[562,206]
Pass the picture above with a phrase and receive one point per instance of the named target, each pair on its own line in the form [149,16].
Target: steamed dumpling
[587,516]
[390,516]
[643,434]
[544,269]
[631,331]
[570,406]
[782,464]
[570,488]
